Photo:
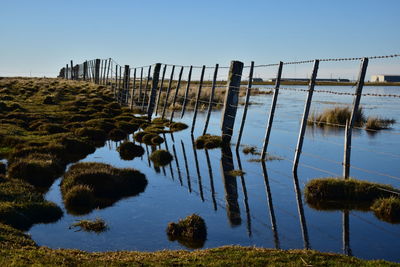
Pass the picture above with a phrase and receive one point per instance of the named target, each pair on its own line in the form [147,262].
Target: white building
[385,78]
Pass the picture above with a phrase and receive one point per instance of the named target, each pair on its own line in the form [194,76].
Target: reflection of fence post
[305,115]
[246,105]
[196,106]
[210,102]
[153,92]
[97,72]
[354,114]
[231,100]
[346,233]
[272,111]
[300,210]
[85,70]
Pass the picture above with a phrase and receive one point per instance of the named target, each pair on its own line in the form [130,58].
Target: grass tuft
[208,141]
[387,209]
[98,225]
[161,157]
[375,123]
[128,151]
[191,231]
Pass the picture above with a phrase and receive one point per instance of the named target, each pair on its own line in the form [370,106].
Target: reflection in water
[177,164]
[148,156]
[211,179]
[246,203]
[197,169]
[186,167]
[170,165]
[230,185]
[271,206]
[300,209]
[346,233]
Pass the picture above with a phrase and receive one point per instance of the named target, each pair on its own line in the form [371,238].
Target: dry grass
[98,225]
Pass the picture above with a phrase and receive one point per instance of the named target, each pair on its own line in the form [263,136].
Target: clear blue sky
[41,36]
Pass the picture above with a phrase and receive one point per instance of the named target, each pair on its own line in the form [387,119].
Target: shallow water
[265,207]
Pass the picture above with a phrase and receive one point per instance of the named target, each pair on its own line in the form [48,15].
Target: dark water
[265,207]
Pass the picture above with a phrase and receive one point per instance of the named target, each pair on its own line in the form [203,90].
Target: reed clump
[129,151]
[336,116]
[375,123]
[97,226]
[190,231]
[387,209]
[236,173]
[161,157]
[208,141]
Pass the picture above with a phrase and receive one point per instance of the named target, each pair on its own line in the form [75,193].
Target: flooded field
[265,207]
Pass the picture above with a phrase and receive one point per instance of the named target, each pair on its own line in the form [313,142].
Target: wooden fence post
[354,114]
[246,104]
[196,106]
[176,94]
[66,71]
[153,92]
[125,84]
[210,102]
[305,116]
[97,72]
[101,71]
[160,90]
[186,92]
[171,77]
[146,86]
[85,70]
[272,111]
[133,88]
[108,69]
[231,100]
[72,70]
[116,82]
[77,71]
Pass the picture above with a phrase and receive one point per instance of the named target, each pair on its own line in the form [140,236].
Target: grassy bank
[49,123]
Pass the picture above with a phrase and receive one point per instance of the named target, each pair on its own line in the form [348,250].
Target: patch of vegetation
[191,231]
[161,157]
[106,183]
[177,126]
[2,168]
[375,123]
[208,141]
[117,135]
[139,136]
[267,157]
[250,150]
[98,225]
[336,115]
[387,209]
[236,173]
[128,151]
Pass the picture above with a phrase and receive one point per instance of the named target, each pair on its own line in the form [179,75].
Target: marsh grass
[97,226]
[375,123]
[161,157]
[208,141]
[128,151]
[387,209]
[251,150]
[190,231]
[236,173]
[107,184]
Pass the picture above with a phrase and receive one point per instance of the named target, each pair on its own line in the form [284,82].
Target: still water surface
[263,208]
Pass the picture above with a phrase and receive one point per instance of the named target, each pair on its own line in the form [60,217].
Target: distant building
[258,80]
[385,78]
[306,80]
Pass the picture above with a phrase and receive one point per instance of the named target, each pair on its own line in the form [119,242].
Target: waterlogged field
[265,207]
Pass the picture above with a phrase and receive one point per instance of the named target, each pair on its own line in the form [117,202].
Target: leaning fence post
[97,72]
[140,85]
[171,77]
[305,116]
[108,69]
[354,114]
[146,86]
[176,94]
[160,90]
[186,92]
[272,111]
[196,106]
[153,92]
[210,102]
[246,104]
[116,81]
[231,100]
